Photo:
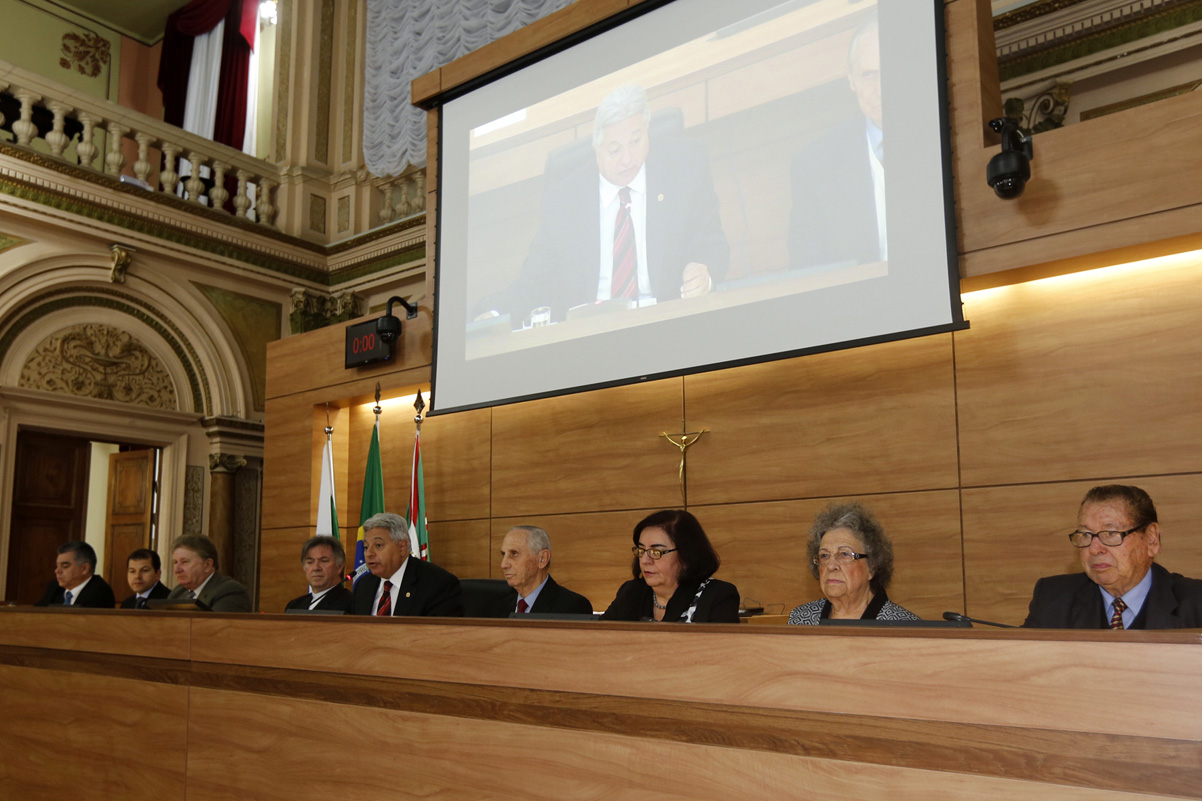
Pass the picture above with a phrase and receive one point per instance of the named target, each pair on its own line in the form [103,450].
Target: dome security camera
[1008,172]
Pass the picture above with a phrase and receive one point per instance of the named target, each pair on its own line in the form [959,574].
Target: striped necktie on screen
[625,280]
[385,607]
[1116,619]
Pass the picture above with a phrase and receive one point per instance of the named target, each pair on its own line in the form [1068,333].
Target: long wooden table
[112,704]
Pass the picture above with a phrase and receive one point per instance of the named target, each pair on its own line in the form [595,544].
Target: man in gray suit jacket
[194,562]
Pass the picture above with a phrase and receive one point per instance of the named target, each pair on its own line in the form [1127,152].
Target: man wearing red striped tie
[1117,538]
[638,223]
[399,585]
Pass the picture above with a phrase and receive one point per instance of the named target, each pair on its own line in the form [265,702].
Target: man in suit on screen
[324,562]
[75,581]
[144,572]
[639,221]
[526,565]
[398,584]
[838,180]
[1117,538]
[194,562]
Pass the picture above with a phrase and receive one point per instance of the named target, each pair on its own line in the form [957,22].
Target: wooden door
[130,514]
[50,498]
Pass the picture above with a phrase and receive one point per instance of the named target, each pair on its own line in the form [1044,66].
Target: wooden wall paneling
[763,547]
[461,546]
[317,359]
[1003,678]
[74,735]
[289,445]
[590,553]
[1015,535]
[280,575]
[595,451]
[456,461]
[1083,375]
[868,420]
[234,753]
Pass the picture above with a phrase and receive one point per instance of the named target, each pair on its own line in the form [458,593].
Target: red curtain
[200,17]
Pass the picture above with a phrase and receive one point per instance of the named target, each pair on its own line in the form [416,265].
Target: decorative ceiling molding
[1047,34]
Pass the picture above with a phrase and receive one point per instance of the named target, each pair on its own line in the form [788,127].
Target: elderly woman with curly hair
[852,558]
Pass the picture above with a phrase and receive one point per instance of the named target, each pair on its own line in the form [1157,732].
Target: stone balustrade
[78,129]
[404,195]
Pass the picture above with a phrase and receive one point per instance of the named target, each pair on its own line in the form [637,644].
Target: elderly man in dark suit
[1117,538]
[324,562]
[399,585]
[75,581]
[144,572]
[194,562]
[638,222]
[525,563]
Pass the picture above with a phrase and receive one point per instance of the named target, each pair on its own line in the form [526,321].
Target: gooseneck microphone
[956,617]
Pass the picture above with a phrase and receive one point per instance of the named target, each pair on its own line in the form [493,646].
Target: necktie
[522,606]
[140,603]
[385,607]
[67,596]
[625,280]
[1116,619]
[309,600]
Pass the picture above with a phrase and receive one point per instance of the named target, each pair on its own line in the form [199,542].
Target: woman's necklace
[655,602]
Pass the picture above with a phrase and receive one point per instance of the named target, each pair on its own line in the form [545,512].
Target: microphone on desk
[956,617]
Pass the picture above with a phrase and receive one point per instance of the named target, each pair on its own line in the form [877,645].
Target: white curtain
[407,39]
[200,105]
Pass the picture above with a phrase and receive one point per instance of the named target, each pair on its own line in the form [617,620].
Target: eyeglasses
[654,553]
[843,556]
[1083,539]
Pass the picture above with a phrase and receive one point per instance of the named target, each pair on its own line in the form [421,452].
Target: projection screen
[699,184]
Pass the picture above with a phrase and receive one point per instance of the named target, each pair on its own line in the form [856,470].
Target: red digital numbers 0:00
[363,344]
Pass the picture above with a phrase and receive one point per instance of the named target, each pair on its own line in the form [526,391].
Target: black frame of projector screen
[618,19]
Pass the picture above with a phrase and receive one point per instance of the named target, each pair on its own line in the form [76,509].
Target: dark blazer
[159,590]
[221,594]
[719,603]
[97,595]
[833,216]
[426,591]
[337,599]
[553,598]
[683,225]
[1073,601]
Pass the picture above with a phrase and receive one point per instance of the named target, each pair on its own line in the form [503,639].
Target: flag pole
[419,542]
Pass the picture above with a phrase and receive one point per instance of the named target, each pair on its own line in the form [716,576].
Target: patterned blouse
[879,608]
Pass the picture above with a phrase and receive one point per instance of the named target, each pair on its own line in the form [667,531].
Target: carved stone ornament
[226,462]
[123,256]
[94,360]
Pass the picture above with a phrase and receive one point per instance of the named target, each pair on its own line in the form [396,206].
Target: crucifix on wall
[682,441]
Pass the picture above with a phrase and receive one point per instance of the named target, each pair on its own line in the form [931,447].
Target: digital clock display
[364,346]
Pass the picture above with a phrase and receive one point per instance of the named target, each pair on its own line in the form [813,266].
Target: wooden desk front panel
[269,707]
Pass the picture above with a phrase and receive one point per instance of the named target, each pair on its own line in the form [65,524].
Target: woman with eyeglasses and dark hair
[673,571]
[852,558]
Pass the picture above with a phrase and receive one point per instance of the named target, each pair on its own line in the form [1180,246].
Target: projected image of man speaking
[637,224]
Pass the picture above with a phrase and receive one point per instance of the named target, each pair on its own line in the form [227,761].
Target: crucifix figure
[683,440]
